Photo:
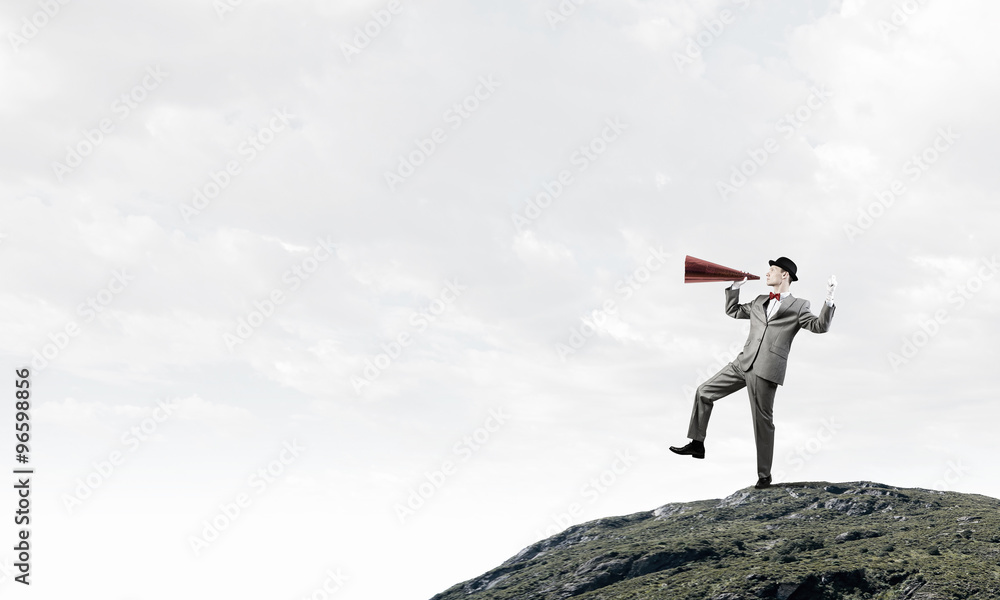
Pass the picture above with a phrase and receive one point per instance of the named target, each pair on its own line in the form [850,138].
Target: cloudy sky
[357,299]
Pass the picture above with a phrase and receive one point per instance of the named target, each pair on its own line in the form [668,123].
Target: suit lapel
[758,306]
[784,307]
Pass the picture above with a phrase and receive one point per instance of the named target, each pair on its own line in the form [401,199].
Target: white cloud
[534,251]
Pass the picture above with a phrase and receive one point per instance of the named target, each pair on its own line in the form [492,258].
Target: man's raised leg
[729,379]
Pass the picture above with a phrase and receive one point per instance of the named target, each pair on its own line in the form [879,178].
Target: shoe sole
[688,454]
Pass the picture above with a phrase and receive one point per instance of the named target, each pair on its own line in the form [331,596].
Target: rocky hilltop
[795,541]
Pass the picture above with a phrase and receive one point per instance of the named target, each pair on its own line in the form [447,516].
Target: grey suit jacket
[769,341]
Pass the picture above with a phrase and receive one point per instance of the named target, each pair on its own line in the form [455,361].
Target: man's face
[773,276]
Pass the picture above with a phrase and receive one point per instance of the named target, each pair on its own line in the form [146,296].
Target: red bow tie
[773,296]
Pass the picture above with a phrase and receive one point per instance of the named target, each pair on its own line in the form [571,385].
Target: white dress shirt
[773,305]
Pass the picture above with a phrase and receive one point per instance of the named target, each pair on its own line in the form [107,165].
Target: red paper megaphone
[697,270]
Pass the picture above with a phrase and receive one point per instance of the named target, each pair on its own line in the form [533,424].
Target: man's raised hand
[737,284]
[831,286]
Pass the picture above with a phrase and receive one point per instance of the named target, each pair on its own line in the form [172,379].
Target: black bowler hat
[786,264]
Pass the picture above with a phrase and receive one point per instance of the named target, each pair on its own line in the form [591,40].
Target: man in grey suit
[774,320]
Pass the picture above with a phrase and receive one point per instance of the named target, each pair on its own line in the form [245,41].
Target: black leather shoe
[763,482]
[692,448]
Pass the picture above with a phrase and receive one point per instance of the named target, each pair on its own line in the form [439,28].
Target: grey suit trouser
[728,380]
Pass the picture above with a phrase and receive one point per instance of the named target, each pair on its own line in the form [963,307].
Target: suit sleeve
[820,324]
[733,307]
